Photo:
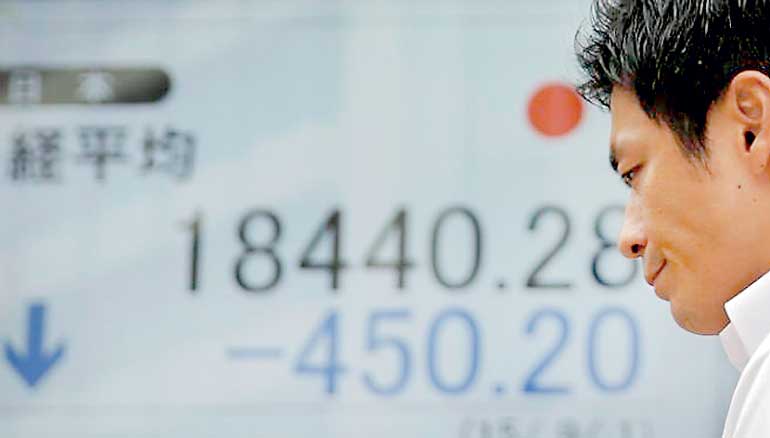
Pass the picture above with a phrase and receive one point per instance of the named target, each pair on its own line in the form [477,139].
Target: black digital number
[251,249]
[609,245]
[195,227]
[436,248]
[397,225]
[331,226]
[534,280]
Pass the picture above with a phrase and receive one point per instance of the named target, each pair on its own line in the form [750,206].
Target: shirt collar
[749,324]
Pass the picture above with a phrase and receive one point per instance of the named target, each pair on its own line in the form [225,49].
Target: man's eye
[628,177]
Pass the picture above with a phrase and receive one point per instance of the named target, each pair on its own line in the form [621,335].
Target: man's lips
[652,277]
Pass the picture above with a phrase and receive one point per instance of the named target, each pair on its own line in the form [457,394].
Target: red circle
[555,110]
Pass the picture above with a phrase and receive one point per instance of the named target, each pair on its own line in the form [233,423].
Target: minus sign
[254,353]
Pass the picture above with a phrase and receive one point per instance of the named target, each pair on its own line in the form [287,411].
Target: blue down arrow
[35,363]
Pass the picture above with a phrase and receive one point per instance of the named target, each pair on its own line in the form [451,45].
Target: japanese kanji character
[101,145]
[172,152]
[36,155]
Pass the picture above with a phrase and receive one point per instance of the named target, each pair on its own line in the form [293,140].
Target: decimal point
[501,284]
[499,389]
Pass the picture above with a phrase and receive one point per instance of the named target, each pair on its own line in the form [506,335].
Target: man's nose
[632,240]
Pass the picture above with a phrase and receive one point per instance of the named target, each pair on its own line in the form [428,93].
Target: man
[687,85]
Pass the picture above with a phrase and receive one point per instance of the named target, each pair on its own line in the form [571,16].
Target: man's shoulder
[751,399]
[760,360]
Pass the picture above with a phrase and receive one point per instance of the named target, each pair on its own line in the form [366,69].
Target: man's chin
[693,325]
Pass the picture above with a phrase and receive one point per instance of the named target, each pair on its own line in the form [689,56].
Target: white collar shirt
[746,340]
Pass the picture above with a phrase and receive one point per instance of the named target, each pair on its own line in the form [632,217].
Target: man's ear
[750,92]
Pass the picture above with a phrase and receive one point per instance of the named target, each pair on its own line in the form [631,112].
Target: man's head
[687,84]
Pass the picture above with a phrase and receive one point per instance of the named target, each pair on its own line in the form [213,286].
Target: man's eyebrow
[613,158]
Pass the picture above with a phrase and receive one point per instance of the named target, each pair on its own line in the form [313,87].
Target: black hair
[677,56]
